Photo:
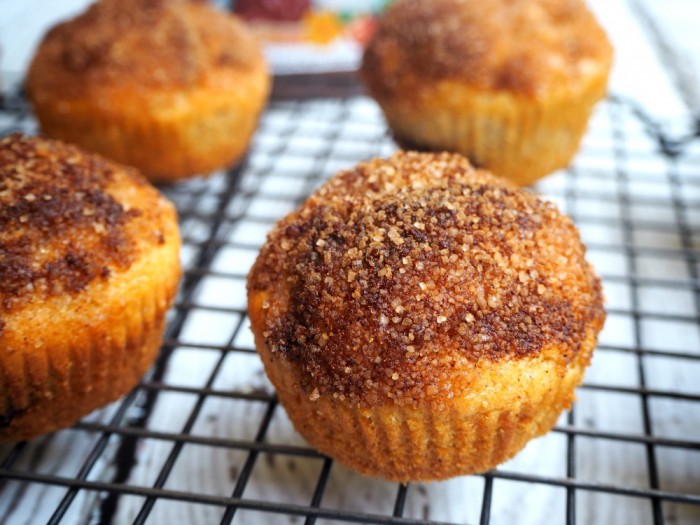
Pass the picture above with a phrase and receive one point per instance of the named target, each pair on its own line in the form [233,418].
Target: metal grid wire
[203,440]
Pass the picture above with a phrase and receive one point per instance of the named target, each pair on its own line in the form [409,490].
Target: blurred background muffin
[171,87]
[509,84]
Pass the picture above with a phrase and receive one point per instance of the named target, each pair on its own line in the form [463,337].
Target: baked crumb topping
[397,273]
[527,47]
[59,228]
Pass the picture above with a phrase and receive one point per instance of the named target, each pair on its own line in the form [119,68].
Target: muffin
[421,319]
[173,88]
[89,265]
[509,84]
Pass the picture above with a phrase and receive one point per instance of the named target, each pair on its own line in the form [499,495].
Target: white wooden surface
[639,73]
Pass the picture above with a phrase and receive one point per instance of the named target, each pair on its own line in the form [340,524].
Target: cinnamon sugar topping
[529,47]
[146,43]
[400,272]
[59,228]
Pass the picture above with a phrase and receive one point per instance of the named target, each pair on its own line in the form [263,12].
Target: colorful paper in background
[312,35]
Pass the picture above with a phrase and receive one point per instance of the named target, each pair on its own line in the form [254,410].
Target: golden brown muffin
[421,319]
[171,87]
[89,265]
[510,84]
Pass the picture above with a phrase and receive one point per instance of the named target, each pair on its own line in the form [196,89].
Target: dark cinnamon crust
[530,48]
[60,228]
[399,273]
[184,42]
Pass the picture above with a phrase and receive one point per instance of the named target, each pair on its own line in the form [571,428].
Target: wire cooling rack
[203,440]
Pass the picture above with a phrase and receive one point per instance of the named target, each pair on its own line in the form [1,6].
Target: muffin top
[68,218]
[396,277]
[144,44]
[530,48]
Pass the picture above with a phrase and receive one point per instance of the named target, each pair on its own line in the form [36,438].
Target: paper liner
[168,136]
[436,440]
[519,138]
[63,374]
